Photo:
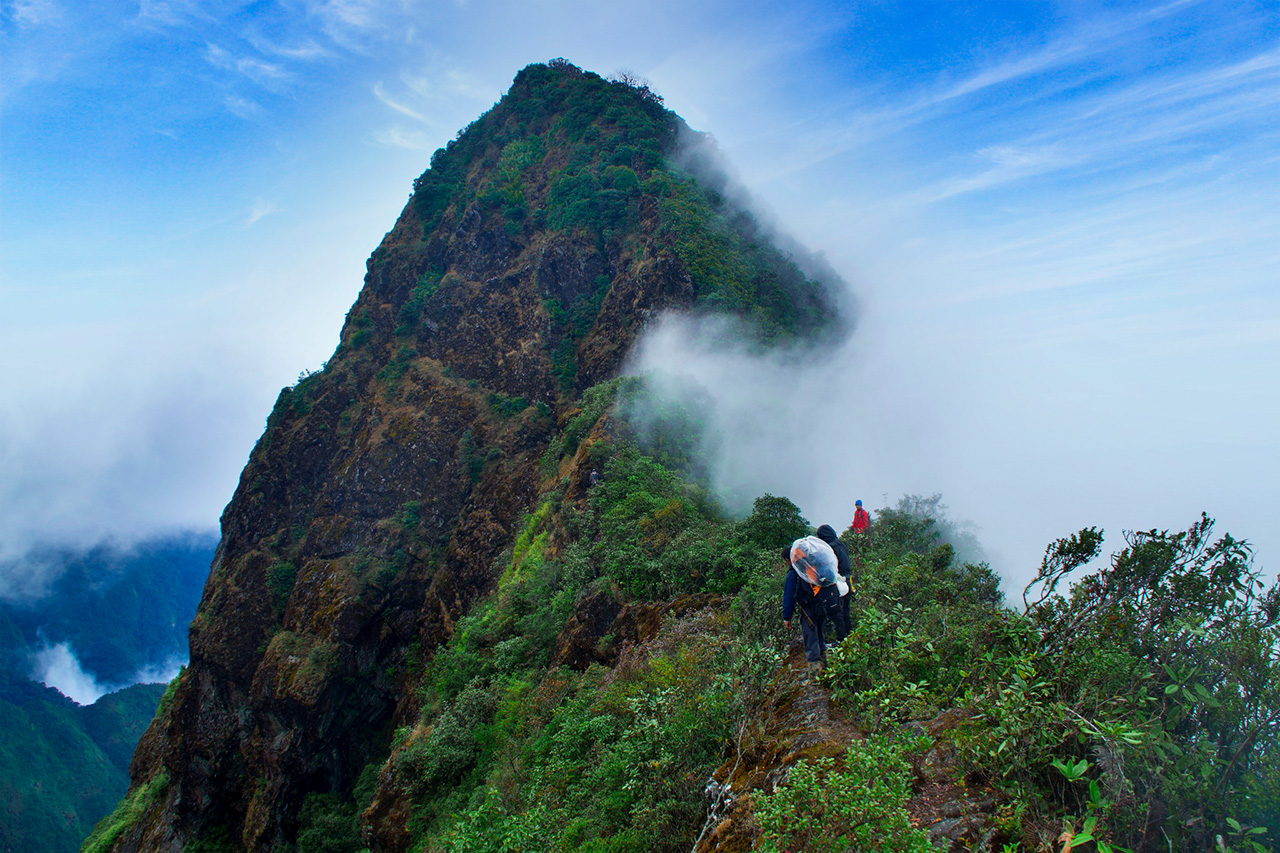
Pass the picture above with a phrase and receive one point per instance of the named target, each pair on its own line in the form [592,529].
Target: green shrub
[424,288]
[125,815]
[773,524]
[858,804]
[410,516]
[436,188]
[1159,673]
[594,402]
[280,578]
[507,407]
[327,824]
[170,690]
[451,748]
[474,458]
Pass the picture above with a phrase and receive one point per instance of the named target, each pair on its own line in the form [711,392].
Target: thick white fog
[1059,221]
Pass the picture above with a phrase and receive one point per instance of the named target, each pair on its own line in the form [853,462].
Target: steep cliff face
[370,514]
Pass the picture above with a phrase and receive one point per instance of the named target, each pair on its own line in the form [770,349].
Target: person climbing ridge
[841,623]
[810,586]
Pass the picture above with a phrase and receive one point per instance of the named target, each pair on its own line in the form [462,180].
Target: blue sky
[1062,221]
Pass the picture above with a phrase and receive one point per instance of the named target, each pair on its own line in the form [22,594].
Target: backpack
[815,563]
[828,599]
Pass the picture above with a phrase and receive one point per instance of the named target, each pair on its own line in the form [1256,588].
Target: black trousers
[841,623]
[811,630]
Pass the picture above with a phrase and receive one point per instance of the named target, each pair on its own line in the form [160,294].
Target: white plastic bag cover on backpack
[814,561]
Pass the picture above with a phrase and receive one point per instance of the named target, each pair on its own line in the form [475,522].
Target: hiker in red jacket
[861,519]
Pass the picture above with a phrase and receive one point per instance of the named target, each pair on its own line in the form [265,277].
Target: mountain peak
[376,508]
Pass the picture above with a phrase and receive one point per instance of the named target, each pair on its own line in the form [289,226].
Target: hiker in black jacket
[798,594]
[841,623]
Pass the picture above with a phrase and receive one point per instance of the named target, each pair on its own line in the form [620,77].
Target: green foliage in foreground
[1143,704]
[1139,710]
[511,752]
[126,814]
[855,806]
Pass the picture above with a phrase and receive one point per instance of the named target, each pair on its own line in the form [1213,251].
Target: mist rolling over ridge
[1059,222]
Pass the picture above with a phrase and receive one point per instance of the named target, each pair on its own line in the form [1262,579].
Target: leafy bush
[435,188]
[505,406]
[1159,673]
[616,766]
[280,578]
[326,824]
[450,748]
[595,401]
[424,288]
[856,805]
[774,523]
[473,457]
[126,814]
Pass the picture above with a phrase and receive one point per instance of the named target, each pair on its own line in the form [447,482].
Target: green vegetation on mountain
[1140,709]
[428,629]
[63,766]
[567,150]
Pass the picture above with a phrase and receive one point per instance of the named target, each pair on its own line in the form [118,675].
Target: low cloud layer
[58,667]
[807,422]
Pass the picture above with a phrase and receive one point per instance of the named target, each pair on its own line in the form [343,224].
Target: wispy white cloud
[260,72]
[57,667]
[398,137]
[243,107]
[422,85]
[380,92]
[353,24]
[307,50]
[158,673]
[37,13]
[1009,163]
[1038,97]
[169,12]
[261,207]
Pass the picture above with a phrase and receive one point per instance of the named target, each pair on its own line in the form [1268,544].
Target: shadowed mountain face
[372,512]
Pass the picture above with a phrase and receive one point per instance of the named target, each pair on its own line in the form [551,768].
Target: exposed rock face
[370,513]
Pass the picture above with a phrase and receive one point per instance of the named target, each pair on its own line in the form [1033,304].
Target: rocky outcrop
[602,628]
[796,721]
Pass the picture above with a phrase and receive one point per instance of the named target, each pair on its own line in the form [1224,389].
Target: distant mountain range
[120,611]
[116,616]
